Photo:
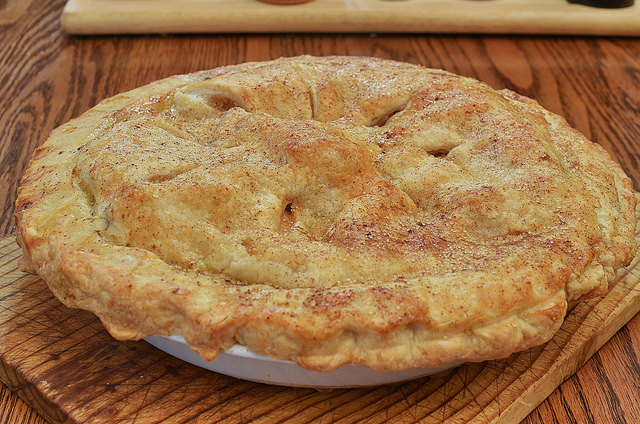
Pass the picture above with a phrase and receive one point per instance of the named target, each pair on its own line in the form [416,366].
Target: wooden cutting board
[406,16]
[64,364]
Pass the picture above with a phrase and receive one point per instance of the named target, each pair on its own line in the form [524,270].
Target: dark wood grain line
[11,261]
[14,253]
[315,398]
[419,400]
[4,275]
[15,313]
[569,412]
[26,283]
[202,399]
[583,401]
[9,243]
[451,53]
[555,415]
[633,365]
[374,398]
[373,410]
[230,412]
[342,398]
[407,406]
[10,258]
[84,389]
[129,397]
[538,417]
[18,357]
[222,404]
[470,398]
[223,410]
[414,386]
[47,329]
[29,318]
[126,396]
[275,407]
[613,402]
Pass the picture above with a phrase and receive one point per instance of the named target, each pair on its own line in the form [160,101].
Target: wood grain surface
[425,16]
[46,78]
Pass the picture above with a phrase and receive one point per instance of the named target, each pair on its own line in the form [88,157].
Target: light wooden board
[69,369]
[406,16]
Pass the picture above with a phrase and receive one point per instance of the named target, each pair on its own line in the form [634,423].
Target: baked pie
[328,211]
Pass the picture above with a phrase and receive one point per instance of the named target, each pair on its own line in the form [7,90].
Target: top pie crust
[327,211]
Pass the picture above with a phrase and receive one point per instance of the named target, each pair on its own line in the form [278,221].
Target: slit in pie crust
[326,211]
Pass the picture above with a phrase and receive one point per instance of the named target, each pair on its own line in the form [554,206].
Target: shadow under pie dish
[326,211]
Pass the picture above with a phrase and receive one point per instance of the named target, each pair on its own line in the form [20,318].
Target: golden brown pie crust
[327,211]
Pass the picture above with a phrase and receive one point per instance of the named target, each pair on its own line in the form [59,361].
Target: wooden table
[46,78]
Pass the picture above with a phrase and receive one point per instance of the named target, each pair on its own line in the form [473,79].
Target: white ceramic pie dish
[239,362]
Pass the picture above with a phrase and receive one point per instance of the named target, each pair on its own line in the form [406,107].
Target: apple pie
[327,211]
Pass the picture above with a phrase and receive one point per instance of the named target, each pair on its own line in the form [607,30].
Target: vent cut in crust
[327,211]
